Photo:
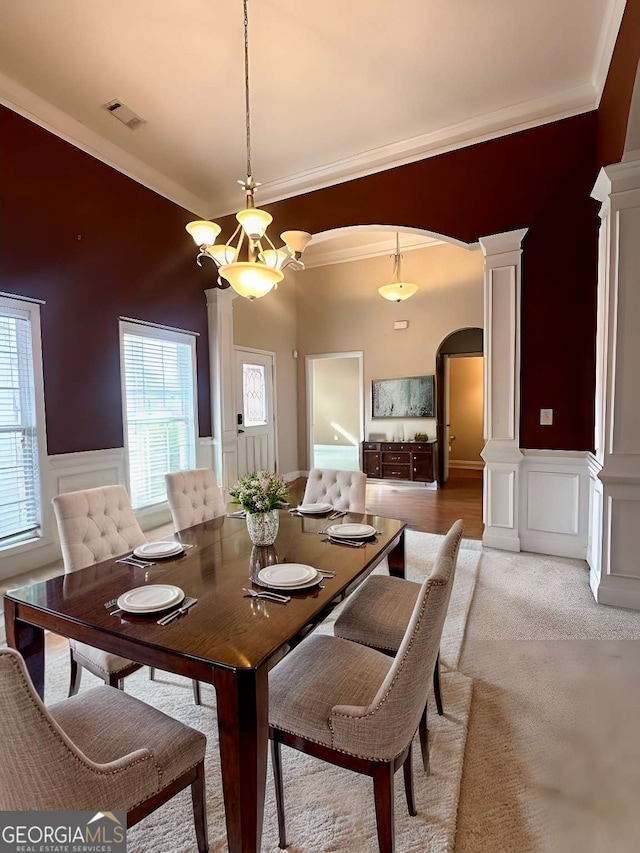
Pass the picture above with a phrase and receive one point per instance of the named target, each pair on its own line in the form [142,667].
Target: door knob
[240,431]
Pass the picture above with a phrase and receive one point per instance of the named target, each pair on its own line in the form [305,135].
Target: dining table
[228,639]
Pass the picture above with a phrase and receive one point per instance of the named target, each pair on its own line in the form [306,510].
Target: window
[158,375]
[20,438]
[254,394]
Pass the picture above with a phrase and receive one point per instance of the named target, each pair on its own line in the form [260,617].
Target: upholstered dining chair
[194,497]
[344,490]
[355,707]
[101,750]
[377,615]
[94,525]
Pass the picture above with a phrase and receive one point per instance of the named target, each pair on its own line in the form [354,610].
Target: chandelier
[249,261]
[397,289]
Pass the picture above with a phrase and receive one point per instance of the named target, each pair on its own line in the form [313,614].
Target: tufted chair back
[94,525]
[342,489]
[194,497]
[384,728]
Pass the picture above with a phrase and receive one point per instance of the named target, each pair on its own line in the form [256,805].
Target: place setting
[145,555]
[351,534]
[286,577]
[324,509]
[151,600]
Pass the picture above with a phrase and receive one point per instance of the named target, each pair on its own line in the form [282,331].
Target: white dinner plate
[288,576]
[150,598]
[351,531]
[314,509]
[158,550]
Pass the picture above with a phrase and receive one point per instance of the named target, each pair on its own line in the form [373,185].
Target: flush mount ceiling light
[397,289]
[251,265]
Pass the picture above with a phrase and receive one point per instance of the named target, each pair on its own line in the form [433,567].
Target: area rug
[328,809]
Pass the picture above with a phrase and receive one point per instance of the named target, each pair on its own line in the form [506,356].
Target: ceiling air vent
[124,114]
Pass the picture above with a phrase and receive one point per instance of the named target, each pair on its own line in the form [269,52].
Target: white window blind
[20,505]
[159,406]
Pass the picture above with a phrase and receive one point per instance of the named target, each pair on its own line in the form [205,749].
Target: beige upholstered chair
[342,489]
[193,497]
[101,750]
[358,708]
[377,615]
[94,525]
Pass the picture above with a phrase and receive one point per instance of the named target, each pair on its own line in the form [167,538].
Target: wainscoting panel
[554,499]
[500,498]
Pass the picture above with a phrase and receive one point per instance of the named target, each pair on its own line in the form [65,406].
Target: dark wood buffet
[401,460]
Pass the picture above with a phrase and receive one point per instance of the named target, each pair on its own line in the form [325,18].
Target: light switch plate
[546,417]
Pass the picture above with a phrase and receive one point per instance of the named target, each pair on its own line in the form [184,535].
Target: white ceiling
[340,88]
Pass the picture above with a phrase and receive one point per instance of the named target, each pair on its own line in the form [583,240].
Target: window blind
[159,410]
[20,511]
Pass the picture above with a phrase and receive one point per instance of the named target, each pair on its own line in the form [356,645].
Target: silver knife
[188,604]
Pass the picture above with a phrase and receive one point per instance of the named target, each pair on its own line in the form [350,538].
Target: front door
[255,410]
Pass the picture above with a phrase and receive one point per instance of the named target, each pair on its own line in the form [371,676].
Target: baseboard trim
[469,464]
[558,546]
[504,543]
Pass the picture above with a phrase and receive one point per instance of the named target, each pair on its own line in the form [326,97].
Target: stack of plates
[158,550]
[150,598]
[351,531]
[289,576]
[314,509]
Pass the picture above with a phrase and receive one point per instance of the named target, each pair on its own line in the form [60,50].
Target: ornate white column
[221,361]
[501,453]
[614,548]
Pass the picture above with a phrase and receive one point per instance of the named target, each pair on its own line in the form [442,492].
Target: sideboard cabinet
[401,460]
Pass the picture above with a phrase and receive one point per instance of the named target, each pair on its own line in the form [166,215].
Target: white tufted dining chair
[101,749]
[95,525]
[344,490]
[194,497]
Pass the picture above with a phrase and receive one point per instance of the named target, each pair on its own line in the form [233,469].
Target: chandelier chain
[246,87]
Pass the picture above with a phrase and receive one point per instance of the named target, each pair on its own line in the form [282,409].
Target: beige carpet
[328,809]
[553,753]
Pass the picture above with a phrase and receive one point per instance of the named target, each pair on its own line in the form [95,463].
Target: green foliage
[260,492]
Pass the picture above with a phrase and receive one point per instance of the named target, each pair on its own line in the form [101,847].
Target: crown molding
[606,45]
[26,103]
[482,128]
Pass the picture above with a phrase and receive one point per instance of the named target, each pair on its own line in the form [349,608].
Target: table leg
[243,726]
[29,641]
[396,558]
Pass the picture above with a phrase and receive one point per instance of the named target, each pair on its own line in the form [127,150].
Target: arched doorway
[463,342]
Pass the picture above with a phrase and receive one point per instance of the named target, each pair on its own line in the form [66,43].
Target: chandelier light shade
[249,261]
[397,290]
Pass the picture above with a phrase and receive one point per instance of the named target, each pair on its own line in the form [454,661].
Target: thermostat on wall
[401,324]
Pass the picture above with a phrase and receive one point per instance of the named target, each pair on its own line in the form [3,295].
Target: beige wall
[339,310]
[270,323]
[466,408]
[336,384]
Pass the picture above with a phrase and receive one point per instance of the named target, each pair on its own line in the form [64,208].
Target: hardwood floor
[425,509]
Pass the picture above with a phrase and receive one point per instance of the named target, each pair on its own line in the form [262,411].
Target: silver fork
[272,596]
[134,561]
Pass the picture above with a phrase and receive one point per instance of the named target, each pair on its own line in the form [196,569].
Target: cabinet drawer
[395,445]
[396,472]
[422,447]
[401,458]
[371,445]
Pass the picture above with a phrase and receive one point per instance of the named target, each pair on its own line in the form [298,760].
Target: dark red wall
[613,112]
[95,245]
[540,179]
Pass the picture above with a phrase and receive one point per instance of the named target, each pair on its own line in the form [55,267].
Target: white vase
[263,526]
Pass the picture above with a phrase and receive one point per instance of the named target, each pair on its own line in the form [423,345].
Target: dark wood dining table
[227,639]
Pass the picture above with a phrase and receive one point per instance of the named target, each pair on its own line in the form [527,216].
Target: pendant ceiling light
[249,261]
[397,289]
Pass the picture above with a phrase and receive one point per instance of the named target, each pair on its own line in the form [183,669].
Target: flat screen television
[411,397]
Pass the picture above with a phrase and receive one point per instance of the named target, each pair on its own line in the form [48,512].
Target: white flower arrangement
[260,492]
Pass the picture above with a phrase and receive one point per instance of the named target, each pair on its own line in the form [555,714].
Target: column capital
[617,178]
[218,296]
[500,244]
